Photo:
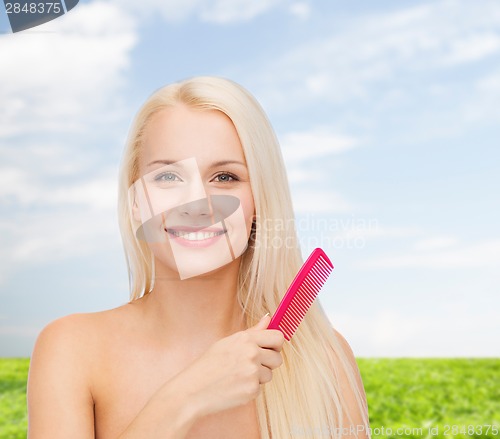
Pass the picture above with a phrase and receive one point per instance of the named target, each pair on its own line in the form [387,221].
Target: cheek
[248,207]
[247,204]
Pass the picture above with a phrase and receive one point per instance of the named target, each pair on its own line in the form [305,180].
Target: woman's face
[193,202]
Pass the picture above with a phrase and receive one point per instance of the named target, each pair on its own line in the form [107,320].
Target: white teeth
[195,236]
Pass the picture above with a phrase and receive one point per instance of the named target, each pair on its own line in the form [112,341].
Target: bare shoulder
[60,400]
[76,338]
[76,334]
[69,332]
[346,348]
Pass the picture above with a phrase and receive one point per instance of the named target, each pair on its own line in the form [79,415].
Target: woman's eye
[225,178]
[167,176]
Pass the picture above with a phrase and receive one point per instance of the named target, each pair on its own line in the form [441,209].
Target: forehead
[179,132]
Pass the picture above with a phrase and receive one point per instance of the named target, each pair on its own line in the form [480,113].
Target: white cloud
[98,193]
[482,254]
[312,144]
[32,237]
[41,158]
[489,83]
[59,237]
[170,11]
[301,10]
[30,185]
[61,81]
[472,48]
[380,49]
[435,243]
[319,201]
[483,105]
[448,330]
[65,75]
[46,221]
[229,11]
[212,11]
[300,149]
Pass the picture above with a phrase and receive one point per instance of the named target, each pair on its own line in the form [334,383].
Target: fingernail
[266,315]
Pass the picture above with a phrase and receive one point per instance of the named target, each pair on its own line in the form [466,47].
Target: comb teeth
[303,298]
[301,293]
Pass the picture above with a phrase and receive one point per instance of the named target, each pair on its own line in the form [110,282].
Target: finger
[269,339]
[265,375]
[270,359]
[263,323]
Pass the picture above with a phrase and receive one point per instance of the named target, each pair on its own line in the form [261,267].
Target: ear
[134,206]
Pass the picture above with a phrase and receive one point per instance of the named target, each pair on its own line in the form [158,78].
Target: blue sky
[387,113]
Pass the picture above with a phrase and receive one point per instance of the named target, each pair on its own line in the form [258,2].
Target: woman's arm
[60,404]
[169,414]
[227,375]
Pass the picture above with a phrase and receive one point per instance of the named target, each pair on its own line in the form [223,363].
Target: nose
[194,209]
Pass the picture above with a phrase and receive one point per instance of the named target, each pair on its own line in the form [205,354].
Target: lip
[201,243]
[188,229]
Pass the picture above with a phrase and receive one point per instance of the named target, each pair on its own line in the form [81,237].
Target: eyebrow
[213,165]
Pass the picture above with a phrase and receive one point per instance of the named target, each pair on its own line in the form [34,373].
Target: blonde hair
[304,397]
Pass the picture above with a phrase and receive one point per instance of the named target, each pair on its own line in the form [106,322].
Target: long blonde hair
[304,398]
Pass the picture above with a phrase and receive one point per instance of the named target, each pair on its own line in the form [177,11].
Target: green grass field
[415,398]
[13,419]
[445,398]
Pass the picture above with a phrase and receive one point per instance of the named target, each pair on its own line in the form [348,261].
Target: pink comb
[301,293]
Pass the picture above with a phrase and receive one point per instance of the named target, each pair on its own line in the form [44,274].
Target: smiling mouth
[194,236]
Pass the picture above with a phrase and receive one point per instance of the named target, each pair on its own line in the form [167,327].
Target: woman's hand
[227,375]
[231,371]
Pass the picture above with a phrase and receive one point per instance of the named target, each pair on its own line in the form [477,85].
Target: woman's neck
[194,312]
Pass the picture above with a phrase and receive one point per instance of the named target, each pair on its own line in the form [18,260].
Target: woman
[190,356]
